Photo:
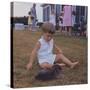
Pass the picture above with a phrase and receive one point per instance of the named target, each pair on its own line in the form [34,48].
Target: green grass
[75,48]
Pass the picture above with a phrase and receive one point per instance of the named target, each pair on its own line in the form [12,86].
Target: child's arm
[58,50]
[33,55]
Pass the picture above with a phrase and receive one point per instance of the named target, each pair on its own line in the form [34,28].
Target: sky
[22,9]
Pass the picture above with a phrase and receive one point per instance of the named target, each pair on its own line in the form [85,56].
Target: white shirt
[45,53]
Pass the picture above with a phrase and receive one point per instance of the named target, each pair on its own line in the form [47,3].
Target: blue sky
[22,9]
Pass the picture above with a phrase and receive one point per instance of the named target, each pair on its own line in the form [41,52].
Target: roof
[43,5]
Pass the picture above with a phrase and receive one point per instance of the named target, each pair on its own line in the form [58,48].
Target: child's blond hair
[48,27]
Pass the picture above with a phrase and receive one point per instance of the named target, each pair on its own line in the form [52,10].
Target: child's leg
[29,27]
[46,65]
[61,57]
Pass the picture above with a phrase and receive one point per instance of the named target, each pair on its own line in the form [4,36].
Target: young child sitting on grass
[44,50]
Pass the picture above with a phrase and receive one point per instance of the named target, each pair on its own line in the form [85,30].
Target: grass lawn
[75,48]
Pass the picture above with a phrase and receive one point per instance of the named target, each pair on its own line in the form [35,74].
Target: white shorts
[49,60]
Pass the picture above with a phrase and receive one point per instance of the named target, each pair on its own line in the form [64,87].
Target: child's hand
[60,52]
[29,66]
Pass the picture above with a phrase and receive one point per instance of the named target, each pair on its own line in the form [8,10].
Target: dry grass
[75,48]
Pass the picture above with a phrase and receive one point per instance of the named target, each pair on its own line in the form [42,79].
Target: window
[52,8]
[48,13]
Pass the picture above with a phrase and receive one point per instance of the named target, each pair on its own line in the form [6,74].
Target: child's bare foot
[61,64]
[73,65]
